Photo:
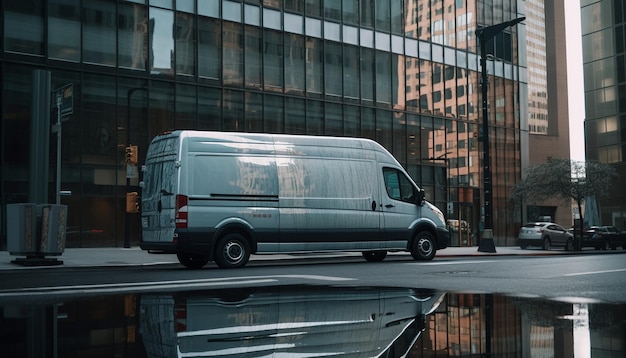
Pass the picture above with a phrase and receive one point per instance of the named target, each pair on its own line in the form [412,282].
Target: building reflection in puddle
[311,321]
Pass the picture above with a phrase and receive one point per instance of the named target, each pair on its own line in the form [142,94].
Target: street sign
[65,100]
[132,171]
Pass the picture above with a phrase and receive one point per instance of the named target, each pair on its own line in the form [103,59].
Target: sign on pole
[65,100]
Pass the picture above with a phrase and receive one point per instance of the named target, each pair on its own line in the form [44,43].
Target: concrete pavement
[134,256]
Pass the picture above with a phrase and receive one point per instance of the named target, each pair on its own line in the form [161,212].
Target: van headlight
[438,213]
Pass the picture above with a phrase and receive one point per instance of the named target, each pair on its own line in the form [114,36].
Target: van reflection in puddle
[286,321]
[310,321]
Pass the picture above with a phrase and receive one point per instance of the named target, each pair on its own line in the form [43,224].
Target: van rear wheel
[192,261]
[232,251]
[423,246]
[375,256]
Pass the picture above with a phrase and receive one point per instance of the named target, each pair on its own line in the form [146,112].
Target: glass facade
[604,65]
[402,72]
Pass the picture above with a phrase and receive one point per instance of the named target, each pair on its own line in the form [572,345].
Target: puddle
[311,321]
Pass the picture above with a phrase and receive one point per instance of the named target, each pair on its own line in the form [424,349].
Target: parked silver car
[545,235]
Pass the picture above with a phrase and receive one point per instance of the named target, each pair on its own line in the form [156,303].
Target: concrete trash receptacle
[34,231]
[22,230]
[53,224]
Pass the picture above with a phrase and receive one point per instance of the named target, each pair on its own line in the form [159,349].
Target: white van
[221,196]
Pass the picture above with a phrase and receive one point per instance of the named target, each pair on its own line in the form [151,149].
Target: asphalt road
[575,278]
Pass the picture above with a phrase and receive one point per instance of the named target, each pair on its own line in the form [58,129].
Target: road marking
[593,272]
[437,263]
[147,286]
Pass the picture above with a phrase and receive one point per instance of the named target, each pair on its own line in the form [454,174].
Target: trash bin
[36,230]
[22,238]
[53,224]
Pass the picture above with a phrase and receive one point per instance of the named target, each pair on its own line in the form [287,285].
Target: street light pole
[444,158]
[129,94]
[485,34]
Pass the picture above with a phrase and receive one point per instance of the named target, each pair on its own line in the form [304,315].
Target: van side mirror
[420,198]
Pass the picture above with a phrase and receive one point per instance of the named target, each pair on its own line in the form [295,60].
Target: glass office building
[604,60]
[402,72]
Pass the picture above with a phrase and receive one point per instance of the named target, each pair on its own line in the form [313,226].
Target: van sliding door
[328,204]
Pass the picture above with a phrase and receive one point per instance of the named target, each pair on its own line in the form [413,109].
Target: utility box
[53,224]
[22,230]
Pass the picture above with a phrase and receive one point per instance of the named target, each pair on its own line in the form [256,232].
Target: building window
[367,74]
[294,64]
[185,44]
[64,30]
[351,71]
[333,65]
[253,62]
[254,112]
[273,111]
[383,77]
[314,65]
[99,33]
[273,61]
[161,26]
[17,37]
[232,49]
[314,117]
[295,112]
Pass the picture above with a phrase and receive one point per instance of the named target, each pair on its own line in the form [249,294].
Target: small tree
[567,179]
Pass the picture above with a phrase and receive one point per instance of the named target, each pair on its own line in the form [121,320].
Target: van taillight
[180,316]
[181,211]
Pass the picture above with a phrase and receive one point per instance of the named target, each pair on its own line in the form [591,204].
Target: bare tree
[566,179]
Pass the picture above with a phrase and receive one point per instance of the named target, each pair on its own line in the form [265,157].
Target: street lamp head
[488,32]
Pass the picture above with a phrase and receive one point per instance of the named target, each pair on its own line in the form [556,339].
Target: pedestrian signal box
[131,154]
[132,202]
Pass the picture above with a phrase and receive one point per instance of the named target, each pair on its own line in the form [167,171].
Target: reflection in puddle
[311,321]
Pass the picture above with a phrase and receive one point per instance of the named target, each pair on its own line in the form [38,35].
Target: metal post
[57,129]
[485,34]
[127,215]
[486,241]
[444,158]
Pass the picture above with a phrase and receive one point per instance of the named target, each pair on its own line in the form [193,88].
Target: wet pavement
[134,256]
[303,320]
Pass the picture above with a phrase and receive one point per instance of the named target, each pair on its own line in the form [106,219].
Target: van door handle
[374,205]
[390,206]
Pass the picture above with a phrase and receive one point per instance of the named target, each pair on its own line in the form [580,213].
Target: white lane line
[144,286]
[593,272]
[437,263]
[113,288]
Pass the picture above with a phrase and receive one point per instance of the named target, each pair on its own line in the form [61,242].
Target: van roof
[286,144]
[344,142]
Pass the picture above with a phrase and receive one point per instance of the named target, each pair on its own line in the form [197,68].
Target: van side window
[398,186]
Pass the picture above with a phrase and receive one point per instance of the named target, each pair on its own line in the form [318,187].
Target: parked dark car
[604,238]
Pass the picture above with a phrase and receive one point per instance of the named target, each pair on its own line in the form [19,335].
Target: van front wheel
[423,247]
[232,251]
[192,261]
[375,256]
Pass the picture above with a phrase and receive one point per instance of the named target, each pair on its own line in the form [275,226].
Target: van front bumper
[443,238]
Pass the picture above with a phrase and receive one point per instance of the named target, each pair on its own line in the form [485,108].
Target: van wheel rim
[233,252]
[425,247]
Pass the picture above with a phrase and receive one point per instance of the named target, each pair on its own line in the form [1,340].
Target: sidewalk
[134,256]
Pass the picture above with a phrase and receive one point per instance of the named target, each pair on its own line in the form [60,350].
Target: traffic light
[132,202]
[131,154]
